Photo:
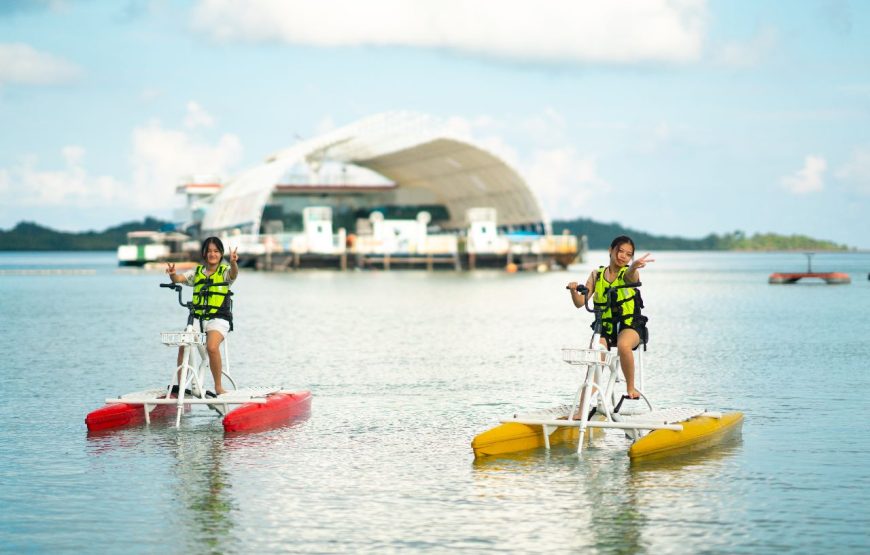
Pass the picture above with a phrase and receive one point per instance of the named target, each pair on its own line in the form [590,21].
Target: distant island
[599,236]
[29,236]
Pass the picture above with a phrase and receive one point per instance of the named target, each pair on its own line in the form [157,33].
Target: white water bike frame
[188,376]
[599,370]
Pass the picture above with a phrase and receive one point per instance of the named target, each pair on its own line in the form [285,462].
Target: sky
[673,117]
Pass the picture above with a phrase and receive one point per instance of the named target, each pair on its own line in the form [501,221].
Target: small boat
[144,247]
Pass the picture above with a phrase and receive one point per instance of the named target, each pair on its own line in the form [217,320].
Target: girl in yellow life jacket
[211,298]
[626,328]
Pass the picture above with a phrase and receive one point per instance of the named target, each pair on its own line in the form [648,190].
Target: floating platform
[833,278]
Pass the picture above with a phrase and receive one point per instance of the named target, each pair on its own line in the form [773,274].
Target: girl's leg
[213,342]
[627,340]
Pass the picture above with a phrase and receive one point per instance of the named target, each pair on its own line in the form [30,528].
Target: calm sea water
[406,367]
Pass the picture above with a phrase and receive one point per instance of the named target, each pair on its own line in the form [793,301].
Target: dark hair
[211,241]
[614,244]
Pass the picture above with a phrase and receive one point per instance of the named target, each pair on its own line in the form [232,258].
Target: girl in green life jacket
[625,329]
[211,298]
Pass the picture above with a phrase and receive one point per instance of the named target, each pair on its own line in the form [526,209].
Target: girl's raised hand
[170,268]
[234,255]
[642,261]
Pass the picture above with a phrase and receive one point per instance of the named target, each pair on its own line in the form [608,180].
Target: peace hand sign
[234,255]
[641,262]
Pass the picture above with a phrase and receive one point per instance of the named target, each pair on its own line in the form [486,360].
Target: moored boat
[149,246]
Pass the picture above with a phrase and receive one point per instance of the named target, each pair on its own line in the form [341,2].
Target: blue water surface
[406,367]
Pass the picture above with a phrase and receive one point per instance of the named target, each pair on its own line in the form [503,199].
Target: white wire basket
[587,356]
[182,338]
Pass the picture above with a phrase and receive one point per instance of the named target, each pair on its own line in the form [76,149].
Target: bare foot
[632,393]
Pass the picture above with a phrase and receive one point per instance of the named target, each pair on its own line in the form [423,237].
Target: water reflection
[711,455]
[610,505]
[199,468]
[591,493]
[202,489]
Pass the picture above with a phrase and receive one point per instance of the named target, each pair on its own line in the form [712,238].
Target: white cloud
[807,179]
[28,185]
[22,64]
[162,156]
[585,31]
[150,93]
[197,116]
[566,182]
[749,53]
[856,172]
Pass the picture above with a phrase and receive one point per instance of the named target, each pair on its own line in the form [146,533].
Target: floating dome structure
[392,159]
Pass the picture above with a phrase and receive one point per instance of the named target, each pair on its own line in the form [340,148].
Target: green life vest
[211,294]
[625,309]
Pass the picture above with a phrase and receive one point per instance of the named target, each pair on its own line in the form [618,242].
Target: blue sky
[679,117]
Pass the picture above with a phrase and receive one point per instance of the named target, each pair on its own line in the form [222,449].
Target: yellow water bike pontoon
[655,433]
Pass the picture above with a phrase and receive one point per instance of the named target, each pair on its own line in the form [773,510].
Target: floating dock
[832,278]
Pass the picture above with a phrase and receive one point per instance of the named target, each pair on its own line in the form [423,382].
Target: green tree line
[599,235]
[28,236]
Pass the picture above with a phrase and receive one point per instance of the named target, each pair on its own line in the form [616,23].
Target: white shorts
[217,324]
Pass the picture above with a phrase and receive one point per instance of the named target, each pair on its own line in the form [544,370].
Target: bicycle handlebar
[178,288]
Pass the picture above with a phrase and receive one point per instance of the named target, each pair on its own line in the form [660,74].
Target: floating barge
[832,278]
[388,244]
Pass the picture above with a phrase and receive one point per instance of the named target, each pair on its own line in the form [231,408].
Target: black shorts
[638,325]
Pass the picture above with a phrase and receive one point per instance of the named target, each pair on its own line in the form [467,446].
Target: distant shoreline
[32,237]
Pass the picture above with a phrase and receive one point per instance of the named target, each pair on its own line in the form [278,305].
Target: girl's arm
[173,277]
[234,264]
[632,275]
[578,298]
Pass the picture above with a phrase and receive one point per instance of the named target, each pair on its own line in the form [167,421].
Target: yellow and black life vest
[626,305]
[211,294]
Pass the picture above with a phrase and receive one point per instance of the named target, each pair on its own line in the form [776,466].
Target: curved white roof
[411,150]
